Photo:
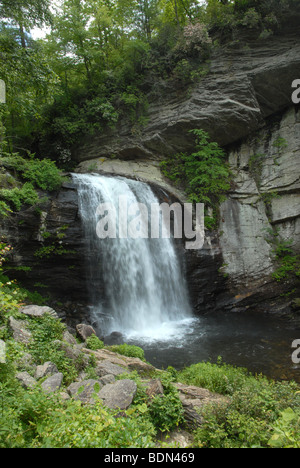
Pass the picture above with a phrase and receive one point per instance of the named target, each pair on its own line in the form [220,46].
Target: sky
[41,33]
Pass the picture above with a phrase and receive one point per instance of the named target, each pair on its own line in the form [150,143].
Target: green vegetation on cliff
[102,60]
[204,175]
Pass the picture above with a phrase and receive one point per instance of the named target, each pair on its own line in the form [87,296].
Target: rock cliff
[248,81]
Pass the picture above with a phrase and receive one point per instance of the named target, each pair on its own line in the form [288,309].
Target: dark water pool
[260,342]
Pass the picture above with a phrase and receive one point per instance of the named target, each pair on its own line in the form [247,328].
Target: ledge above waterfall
[142,170]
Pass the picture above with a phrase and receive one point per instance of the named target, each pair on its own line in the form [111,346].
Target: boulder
[118,395]
[48,368]
[69,338]
[193,398]
[153,388]
[107,379]
[107,368]
[85,331]
[85,390]
[128,362]
[26,380]
[53,383]
[20,332]
[38,311]
[114,338]
[73,352]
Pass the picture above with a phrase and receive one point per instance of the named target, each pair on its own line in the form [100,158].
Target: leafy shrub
[196,40]
[166,411]
[220,378]
[129,351]
[37,174]
[78,426]
[288,262]
[19,196]
[252,413]
[204,175]
[93,342]
[34,419]
[43,173]
[46,331]
[286,430]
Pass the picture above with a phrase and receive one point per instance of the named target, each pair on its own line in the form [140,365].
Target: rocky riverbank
[114,382]
[63,387]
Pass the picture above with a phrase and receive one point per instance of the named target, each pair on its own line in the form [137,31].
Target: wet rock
[115,338]
[296,304]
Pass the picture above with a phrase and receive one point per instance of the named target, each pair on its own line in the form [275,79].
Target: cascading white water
[146,295]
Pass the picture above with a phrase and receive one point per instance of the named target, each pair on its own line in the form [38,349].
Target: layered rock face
[49,242]
[248,82]
[266,196]
[264,203]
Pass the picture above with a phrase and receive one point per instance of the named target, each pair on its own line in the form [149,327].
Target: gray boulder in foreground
[118,395]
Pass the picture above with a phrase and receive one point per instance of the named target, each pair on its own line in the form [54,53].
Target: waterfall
[145,291]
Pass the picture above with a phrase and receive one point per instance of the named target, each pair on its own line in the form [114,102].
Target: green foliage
[46,331]
[93,342]
[219,378]
[288,262]
[42,174]
[19,196]
[29,176]
[34,419]
[286,430]
[54,249]
[129,350]
[255,166]
[166,411]
[259,15]
[204,174]
[253,412]
[77,426]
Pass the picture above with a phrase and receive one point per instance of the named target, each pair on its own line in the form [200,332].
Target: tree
[181,12]
[29,84]
[25,14]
